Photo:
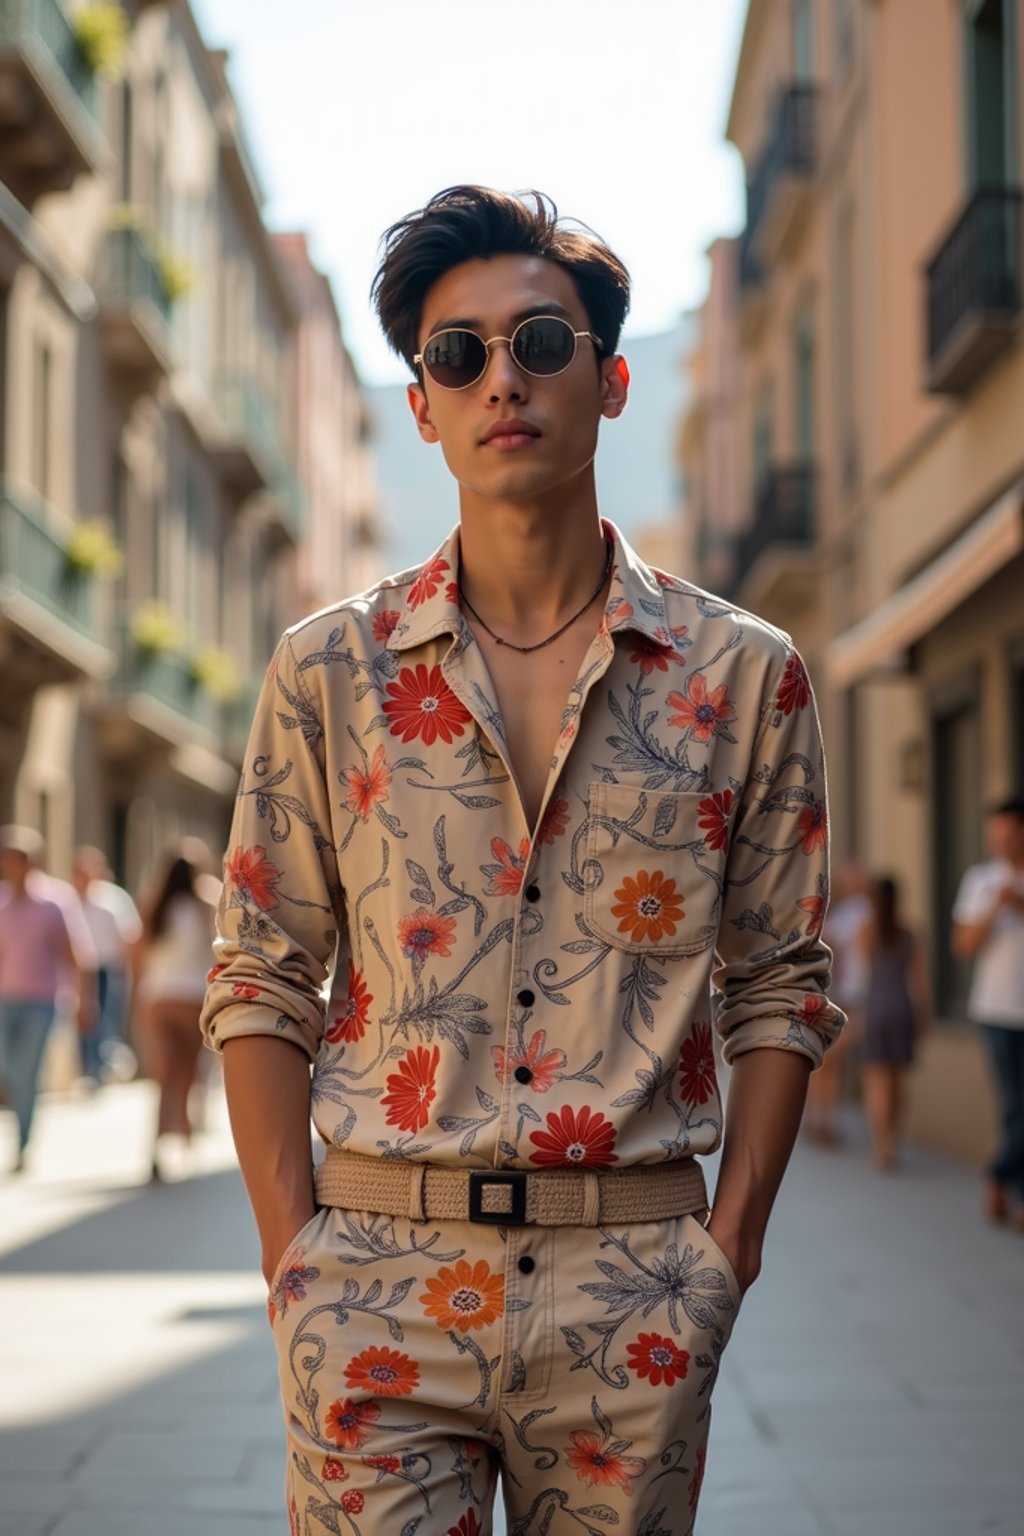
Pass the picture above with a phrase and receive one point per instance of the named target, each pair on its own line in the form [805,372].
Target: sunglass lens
[455,358]
[544,346]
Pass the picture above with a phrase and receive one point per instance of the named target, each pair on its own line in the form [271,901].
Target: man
[114,924]
[517,798]
[988,928]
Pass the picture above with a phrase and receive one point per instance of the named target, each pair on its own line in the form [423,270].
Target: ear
[614,386]
[421,410]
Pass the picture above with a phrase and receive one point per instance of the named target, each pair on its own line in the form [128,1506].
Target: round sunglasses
[543,345]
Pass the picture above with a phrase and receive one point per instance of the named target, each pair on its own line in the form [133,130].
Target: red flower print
[713,819]
[648,907]
[428,581]
[451,594]
[818,1014]
[554,821]
[658,1359]
[697,1080]
[697,1479]
[351,1022]
[411,1089]
[295,1276]
[705,714]
[618,611]
[245,990]
[425,933]
[506,877]
[600,1466]
[368,787]
[383,1464]
[464,1296]
[382,1370]
[348,1424]
[795,688]
[815,907]
[647,654]
[813,825]
[469,1525]
[422,704]
[214,972]
[334,1471]
[384,624]
[352,1501]
[254,877]
[545,1065]
[575,1139]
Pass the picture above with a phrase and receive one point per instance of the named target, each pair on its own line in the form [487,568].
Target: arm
[970,938]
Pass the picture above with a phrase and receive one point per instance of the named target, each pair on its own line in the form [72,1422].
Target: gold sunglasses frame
[456,389]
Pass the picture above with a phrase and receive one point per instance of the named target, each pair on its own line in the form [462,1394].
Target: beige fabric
[554,1199]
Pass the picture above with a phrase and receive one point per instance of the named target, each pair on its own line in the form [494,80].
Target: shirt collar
[635,597]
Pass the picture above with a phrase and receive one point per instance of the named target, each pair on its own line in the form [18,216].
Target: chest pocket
[650,885]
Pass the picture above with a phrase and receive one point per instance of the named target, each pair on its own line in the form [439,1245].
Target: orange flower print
[451,594]
[505,878]
[383,1464]
[422,705]
[333,1470]
[544,1065]
[349,1424]
[647,654]
[703,714]
[713,819]
[425,933]
[411,1089]
[598,1465]
[658,1359]
[814,906]
[464,1296]
[468,1525]
[583,1139]
[368,787]
[697,1479]
[254,877]
[350,1023]
[384,624]
[617,611]
[795,688]
[382,1370]
[818,1014]
[246,990]
[428,581]
[813,826]
[697,1080]
[648,907]
[554,821]
[214,972]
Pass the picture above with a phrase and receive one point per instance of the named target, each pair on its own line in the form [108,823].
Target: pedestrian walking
[988,928]
[38,961]
[115,926]
[171,961]
[896,1015]
[514,803]
[848,913]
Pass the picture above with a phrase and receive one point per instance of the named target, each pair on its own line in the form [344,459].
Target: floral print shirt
[501,996]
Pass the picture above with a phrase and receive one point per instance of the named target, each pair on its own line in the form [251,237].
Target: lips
[510,428]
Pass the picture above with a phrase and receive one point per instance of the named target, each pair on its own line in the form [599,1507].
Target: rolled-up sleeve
[773,968]
[279,910]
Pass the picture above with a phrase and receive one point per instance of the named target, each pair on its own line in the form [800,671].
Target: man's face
[13,866]
[1006,838]
[490,298]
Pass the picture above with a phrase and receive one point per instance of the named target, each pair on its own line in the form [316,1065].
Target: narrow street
[875,1381]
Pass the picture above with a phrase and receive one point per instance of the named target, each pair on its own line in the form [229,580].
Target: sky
[359,110]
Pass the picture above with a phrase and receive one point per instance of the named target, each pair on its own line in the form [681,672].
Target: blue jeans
[1006,1049]
[108,1025]
[24,1026]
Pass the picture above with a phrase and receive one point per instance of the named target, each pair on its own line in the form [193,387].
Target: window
[762,445]
[845,358]
[990,61]
[803,378]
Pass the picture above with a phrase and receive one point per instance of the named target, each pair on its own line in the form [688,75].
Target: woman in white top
[172,960]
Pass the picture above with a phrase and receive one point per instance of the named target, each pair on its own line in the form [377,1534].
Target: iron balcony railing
[128,272]
[783,514]
[977,271]
[41,28]
[789,151]
[34,562]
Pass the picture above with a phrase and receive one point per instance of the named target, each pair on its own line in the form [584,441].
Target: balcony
[780,190]
[157,691]
[974,291]
[246,450]
[753,289]
[774,558]
[50,605]
[48,101]
[286,506]
[135,310]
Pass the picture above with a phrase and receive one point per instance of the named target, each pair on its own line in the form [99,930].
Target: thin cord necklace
[539,646]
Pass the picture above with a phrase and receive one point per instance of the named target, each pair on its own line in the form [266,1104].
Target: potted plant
[101,28]
[91,550]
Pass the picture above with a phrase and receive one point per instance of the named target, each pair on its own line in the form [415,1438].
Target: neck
[528,568]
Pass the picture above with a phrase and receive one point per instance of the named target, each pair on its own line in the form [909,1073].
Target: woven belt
[511,1197]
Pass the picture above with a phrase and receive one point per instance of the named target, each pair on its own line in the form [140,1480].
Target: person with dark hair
[170,963]
[988,928]
[895,1016]
[516,806]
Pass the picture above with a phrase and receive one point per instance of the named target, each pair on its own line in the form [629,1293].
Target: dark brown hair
[179,879]
[469,223]
[888,929]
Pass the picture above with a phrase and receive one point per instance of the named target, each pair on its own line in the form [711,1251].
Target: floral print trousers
[420,1359]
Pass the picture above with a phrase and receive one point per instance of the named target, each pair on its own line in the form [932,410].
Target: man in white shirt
[115,925]
[988,928]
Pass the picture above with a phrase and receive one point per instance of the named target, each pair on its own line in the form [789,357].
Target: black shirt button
[523,1075]
[532,893]
[526,1265]
[525,998]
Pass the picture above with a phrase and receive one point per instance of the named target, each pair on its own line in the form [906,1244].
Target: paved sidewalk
[874,1384]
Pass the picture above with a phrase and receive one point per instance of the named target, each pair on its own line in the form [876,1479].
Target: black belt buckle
[516,1181]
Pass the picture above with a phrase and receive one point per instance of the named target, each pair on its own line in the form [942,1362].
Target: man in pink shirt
[36,956]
